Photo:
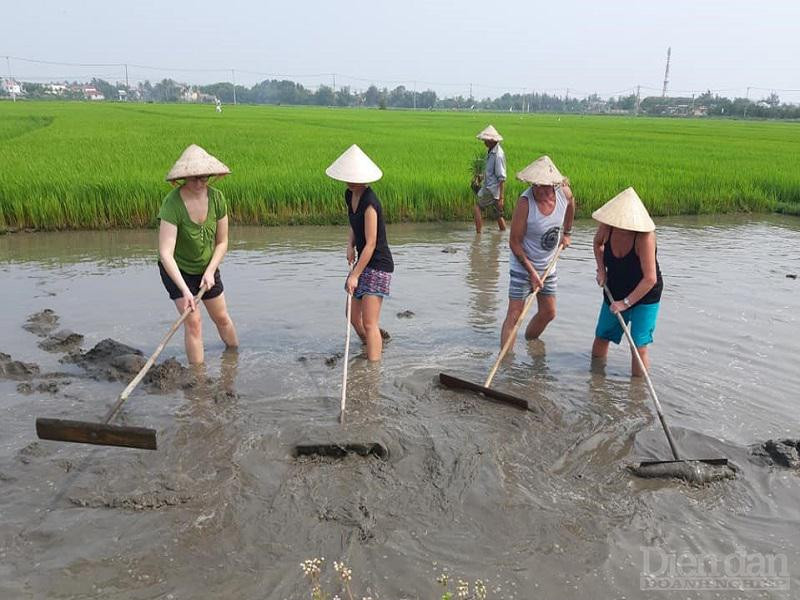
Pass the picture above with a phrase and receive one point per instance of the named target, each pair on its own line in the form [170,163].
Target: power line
[472,86]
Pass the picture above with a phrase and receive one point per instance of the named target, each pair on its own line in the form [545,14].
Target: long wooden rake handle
[346,354]
[640,362]
[521,318]
[140,375]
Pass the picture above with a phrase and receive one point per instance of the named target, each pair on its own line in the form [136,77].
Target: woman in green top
[192,239]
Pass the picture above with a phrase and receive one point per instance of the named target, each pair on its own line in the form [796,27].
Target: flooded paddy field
[537,504]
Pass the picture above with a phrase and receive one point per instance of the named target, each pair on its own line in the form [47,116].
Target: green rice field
[102,165]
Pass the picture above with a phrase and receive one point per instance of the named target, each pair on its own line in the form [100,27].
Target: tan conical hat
[490,134]
[542,171]
[196,162]
[353,166]
[625,211]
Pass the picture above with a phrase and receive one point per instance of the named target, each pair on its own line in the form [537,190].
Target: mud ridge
[778,453]
[42,323]
[15,369]
[111,360]
[63,340]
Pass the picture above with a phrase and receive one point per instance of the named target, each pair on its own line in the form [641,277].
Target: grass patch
[83,165]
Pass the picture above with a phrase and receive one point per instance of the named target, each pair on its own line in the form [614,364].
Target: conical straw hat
[625,211]
[196,162]
[353,166]
[490,134]
[542,171]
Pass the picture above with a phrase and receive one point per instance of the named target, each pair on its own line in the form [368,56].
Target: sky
[514,45]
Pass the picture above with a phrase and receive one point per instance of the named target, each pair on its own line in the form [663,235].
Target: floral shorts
[373,283]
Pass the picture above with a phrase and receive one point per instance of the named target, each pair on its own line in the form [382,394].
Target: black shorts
[193,281]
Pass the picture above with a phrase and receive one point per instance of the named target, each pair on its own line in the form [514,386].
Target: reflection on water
[482,279]
[520,499]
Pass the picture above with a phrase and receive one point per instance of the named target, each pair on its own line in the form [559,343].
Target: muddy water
[538,505]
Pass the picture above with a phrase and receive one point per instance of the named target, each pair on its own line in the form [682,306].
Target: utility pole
[334,82]
[10,80]
[638,97]
[747,103]
[233,76]
[415,95]
[470,92]
[666,74]
[127,85]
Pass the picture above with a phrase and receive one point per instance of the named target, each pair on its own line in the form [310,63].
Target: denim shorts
[519,285]
[373,282]
[640,318]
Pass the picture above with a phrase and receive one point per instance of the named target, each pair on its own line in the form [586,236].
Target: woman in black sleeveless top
[367,249]
[625,251]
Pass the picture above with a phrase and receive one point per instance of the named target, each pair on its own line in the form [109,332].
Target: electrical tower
[666,74]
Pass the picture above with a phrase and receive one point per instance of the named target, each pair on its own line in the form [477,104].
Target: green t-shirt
[195,244]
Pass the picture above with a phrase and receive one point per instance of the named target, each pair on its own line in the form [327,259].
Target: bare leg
[600,348]
[645,355]
[501,223]
[192,333]
[356,320]
[370,318]
[478,219]
[218,311]
[599,355]
[514,311]
[545,314]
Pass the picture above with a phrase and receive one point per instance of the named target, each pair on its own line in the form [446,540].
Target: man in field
[491,192]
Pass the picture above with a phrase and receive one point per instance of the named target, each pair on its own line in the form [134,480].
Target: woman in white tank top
[542,220]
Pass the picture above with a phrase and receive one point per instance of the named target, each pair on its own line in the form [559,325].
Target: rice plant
[84,165]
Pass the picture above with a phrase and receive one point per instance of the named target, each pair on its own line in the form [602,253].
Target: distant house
[55,89]
[189,94]
[91,93]
[11,87]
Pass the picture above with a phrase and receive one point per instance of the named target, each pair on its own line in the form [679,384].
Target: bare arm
[167,237]
[569,216]
[599,245]
[351,247]
[220,245]
[371,235]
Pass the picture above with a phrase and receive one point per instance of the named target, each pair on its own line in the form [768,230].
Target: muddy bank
[45,387]
[778,453]
[42,323]
[110,360]
[63,340]
[16,369]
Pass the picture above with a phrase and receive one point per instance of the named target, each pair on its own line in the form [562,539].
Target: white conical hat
[490,134]
[542,171]
[625,211]
[353,166]
[196,162]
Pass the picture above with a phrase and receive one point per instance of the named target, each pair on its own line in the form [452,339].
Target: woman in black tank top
[625,252]
[368,251]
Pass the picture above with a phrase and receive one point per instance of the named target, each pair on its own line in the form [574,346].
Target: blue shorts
[641,319]
[519,286]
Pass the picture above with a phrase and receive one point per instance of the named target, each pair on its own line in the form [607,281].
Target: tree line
[280,92]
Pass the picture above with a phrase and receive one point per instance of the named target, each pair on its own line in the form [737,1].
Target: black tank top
[382,257]
[624,274]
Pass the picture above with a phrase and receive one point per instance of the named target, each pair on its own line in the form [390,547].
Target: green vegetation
[84,165]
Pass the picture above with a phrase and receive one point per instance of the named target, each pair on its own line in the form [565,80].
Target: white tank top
[542,235]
